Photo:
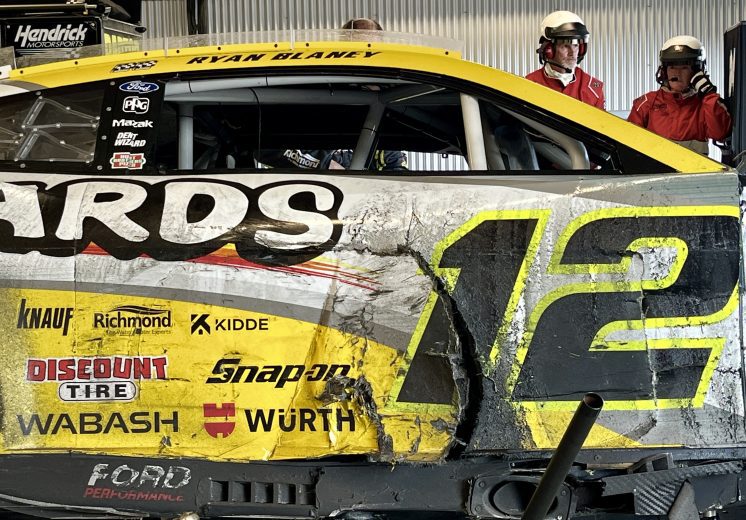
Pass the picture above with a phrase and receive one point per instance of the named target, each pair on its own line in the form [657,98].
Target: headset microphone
[559,65]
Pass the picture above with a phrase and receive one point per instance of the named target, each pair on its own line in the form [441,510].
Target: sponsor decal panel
[127,161]
[150,482]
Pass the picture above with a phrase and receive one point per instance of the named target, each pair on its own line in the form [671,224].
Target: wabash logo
[224,411]
[44,317]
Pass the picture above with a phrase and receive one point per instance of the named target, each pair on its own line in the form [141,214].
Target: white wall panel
[164,18]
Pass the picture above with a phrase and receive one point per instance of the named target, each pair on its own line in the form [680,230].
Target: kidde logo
[201,324]
[136,104]
[44,317]
[59,36]
[96,379]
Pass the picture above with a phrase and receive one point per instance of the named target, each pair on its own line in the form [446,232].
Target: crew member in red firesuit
[687,108]
[562,45]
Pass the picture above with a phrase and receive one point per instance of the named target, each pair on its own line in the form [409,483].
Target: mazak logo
[129,139]
[128,319]
[136,105]
[140,87]
[132,123]
[98,378]
[55,38]
[206,324]
[127,161]
[44,317]
[224,411]
[139,65]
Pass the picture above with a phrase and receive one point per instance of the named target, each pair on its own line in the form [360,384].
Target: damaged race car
[356,276]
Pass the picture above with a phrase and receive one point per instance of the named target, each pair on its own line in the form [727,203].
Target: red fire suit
[687,117]
[584,87]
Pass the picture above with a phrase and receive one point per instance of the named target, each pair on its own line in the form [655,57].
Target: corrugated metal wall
[625,34]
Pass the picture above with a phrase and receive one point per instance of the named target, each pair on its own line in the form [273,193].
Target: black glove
[701,84]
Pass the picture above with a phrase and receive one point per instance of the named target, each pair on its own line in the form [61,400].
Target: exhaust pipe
[561,462]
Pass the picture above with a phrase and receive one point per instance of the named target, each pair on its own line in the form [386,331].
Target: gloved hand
[701,83]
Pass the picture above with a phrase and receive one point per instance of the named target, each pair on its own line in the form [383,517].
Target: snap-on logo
[141,87]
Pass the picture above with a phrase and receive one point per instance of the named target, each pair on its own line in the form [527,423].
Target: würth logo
[199,324]
[44,317]
[224,411]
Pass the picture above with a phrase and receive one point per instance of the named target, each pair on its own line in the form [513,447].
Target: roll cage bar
[481,153]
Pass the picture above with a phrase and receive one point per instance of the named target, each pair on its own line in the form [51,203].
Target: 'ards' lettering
[281,223]
[93,423]
[308,55]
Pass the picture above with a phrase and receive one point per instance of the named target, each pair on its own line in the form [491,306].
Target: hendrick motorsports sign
[40,35]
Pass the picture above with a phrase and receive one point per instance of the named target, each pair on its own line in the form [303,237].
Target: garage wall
[625,34]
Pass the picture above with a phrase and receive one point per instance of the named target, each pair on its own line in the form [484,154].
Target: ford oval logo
[141,87]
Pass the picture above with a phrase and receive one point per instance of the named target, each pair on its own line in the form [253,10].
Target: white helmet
[562,25]
[681,50]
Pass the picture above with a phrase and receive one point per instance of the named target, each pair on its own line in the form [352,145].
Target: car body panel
[295,343]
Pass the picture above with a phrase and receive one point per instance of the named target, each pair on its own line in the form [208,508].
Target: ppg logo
[136,105]
[199,324]
[141,87]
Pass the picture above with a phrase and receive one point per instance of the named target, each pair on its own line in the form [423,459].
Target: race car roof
[334,50]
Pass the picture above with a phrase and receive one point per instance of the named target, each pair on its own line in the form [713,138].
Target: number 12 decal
[564,348]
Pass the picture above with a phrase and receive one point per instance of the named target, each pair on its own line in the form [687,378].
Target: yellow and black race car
[351,275]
